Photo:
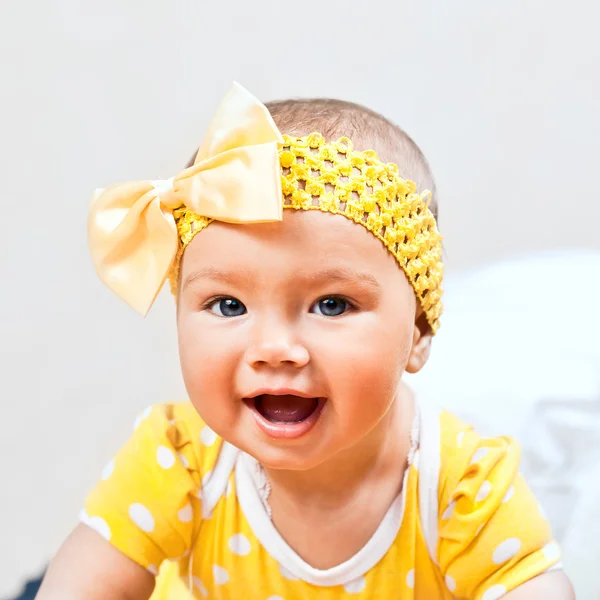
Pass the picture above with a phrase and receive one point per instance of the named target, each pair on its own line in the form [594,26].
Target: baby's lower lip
[280,426]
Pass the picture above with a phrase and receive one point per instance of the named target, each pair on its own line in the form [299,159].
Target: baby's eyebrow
[221,275]
[248,277]
[346,275]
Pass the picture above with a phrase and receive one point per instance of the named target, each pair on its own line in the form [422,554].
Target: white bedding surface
[519,353]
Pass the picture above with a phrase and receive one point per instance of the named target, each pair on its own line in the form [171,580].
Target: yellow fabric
[492,533]
[246,172]
[335,178]
[235,178]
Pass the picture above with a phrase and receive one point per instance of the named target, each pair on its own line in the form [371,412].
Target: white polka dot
[142,517]
[183,460]
[449,510]
[484,491]
[415,460]
[208,436]
[144,415]
[410,579]
[99,525]
[356,586]
[198,583]
[506,550]
[509,494]
[274,598]
[108,469]
[220,574]
[239,544]
[459,438]
[185,514]
[495,592]
[551,551]
[450,583]
[287,574]
[153,569]
[478,455]
[206,477]
[165,457]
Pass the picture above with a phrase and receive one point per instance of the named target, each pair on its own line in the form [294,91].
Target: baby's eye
[227,307]
[331,306]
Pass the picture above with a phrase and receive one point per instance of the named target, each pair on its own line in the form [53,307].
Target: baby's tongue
[285,409]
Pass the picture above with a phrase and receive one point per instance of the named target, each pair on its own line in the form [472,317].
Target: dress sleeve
[493,535]
[146,503]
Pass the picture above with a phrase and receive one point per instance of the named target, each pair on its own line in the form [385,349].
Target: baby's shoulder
[149,500]
[469,458]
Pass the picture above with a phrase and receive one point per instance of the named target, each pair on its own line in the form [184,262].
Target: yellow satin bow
[235,178]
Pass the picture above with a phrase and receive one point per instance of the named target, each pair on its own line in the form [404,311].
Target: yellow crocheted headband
[247,172]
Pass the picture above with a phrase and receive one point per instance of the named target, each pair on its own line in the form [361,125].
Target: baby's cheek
[369,377]
[209,378]
[206,362]
[377,357]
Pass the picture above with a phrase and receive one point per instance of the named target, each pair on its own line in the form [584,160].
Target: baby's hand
[88,567]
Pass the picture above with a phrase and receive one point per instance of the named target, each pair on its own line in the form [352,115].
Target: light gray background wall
[502,97]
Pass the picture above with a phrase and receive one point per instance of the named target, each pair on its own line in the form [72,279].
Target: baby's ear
[421,344]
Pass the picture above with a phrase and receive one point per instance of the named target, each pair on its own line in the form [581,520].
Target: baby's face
[293,336]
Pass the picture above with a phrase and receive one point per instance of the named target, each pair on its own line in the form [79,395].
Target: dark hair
[367,129]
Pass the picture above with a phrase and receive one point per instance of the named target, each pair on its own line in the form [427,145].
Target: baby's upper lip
[279,392]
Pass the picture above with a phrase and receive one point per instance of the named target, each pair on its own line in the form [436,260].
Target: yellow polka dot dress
[188,507]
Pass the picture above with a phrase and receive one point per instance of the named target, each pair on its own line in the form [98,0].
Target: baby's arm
[88,567]
[144,510]
[549,586]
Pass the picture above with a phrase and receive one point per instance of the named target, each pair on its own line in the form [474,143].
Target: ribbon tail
[133,258]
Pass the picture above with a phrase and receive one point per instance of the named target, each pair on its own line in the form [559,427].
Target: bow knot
[235,178]
[166,193]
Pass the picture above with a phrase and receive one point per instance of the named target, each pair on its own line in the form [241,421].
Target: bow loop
[235,178]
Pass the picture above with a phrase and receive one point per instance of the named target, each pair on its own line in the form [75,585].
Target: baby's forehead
[289,260]
[298,229]
[309,241]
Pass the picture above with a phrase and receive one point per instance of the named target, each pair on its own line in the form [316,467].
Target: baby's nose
[277,349]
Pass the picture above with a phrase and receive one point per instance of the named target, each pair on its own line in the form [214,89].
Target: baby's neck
[377,462]
[329,513]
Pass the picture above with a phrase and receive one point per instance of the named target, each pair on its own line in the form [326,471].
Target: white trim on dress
[262,526]
[429,473]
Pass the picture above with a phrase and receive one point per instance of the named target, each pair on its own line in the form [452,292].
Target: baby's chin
[285,455]
[286,459]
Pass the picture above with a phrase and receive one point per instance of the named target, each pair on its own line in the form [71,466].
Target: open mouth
[285,409]
[285,415]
